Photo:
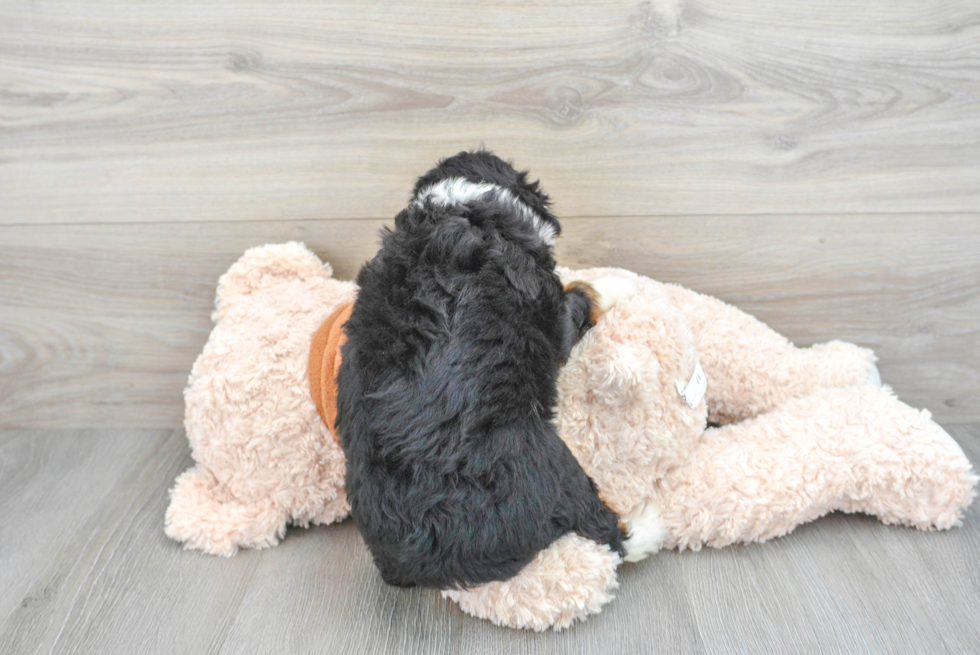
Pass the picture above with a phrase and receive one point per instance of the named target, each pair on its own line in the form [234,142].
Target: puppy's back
[446,393]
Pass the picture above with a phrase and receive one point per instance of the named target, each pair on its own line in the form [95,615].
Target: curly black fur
[456,475]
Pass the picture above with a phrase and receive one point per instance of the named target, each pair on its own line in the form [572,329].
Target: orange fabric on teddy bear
[324,364]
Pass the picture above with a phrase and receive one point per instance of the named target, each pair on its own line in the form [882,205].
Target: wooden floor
[87,569]
[815,163]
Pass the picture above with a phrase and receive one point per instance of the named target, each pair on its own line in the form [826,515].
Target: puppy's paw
[611,289]
[646,532]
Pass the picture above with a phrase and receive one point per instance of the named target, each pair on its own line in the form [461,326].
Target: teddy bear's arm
[854,449]
[751,368]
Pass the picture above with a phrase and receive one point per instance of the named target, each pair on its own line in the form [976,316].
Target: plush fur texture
[264,457]
[456,475]
[806,432]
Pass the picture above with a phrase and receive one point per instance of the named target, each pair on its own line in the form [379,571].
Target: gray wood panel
[88,569]
[116,584]
[50,484]
[209,111]
[99,324]
[814,163]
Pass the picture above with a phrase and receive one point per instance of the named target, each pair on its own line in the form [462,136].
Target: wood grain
[99,324]
[88,569]
[211,111]
[843,579]
[814,163]
[906,286]
[117,584]
[50,485]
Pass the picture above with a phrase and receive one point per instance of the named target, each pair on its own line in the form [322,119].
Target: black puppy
[456,474]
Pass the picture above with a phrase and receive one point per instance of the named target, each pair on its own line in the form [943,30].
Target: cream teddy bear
[803,432]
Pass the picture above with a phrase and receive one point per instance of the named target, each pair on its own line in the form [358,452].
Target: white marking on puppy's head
[455,191]
[459,191]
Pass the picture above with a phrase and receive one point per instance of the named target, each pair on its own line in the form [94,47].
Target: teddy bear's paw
[202,516]
[647,532]
[567,581]
[611,289]
[874,377]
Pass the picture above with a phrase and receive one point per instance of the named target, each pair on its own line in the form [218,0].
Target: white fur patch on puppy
[611,289]
[454,191]
[459,191]
[646,532]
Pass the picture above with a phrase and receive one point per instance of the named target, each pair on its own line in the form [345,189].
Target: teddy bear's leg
[856,449]
[204,518]
[566,582]
[751,368]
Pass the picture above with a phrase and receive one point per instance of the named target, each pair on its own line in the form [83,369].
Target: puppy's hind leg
[581,510]
[391,575]
[634,536]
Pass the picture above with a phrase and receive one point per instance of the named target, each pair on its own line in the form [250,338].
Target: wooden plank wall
[817,164]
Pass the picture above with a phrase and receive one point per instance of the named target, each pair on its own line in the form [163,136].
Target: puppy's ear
[520,273]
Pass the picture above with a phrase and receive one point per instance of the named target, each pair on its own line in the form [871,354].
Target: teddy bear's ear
[266,266]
